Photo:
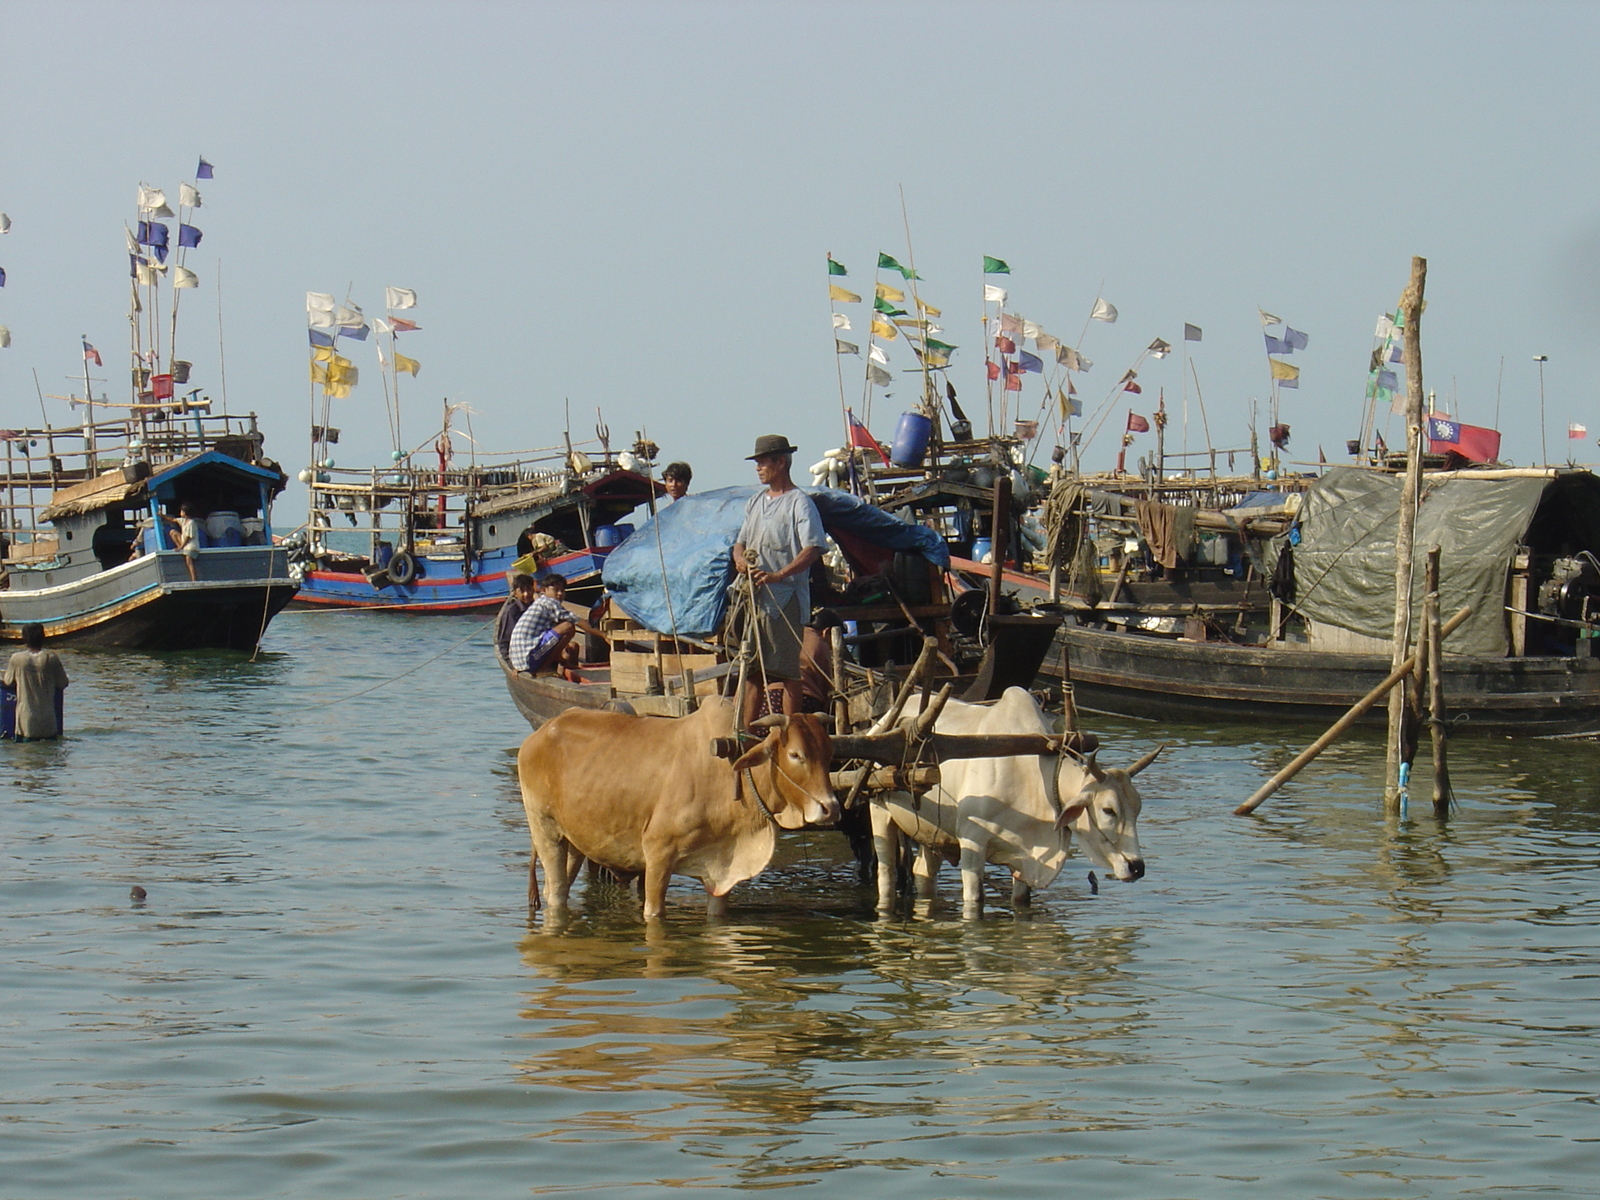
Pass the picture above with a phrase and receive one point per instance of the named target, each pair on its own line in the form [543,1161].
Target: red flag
[861,437]
[1005,345]
[1013,381]
[994,369]
[90,354]
[402,325]
[1136,423]
[1133,387]
[1478,444]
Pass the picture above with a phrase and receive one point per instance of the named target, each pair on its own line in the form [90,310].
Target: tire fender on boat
[402,567]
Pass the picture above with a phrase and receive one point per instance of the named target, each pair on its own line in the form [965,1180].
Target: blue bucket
[980,547]
[606,536]
[911,440]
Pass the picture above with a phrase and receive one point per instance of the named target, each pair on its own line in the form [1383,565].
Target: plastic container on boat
[606,536]
[911,440]
[224,529]
[982,548]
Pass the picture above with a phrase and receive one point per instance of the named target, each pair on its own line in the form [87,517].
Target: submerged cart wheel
[402,567]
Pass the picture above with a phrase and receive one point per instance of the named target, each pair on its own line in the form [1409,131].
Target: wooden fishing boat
[74,526]
[1519,547]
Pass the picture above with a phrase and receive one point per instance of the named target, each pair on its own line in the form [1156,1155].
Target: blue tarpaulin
[696,536]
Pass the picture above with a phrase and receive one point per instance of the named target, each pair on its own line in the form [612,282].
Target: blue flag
[203,171]
[188,235]
[1030,362]
[1398,354]
[1387,379]
[359,332]
[1441,430]
[152,233]
[1277,345]
[1289,383]
[1295,339]
[2,277]
[318,338]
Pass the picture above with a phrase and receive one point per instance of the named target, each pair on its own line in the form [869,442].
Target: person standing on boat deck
[781,537]
[37,675]
[676,478]
[522,594]
[188,539]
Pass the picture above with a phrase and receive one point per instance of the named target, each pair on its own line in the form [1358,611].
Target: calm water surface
[334,990]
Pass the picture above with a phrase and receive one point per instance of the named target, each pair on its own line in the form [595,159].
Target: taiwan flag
[1472,442]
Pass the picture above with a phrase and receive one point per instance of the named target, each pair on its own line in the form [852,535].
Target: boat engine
[1572,591]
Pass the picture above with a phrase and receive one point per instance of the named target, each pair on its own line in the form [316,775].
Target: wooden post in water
[1435,651]
[1405,533]
[999,530]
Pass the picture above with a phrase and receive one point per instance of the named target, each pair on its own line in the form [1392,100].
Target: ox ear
[1093,768]
[759,753]
[1069,814]
[1145,761]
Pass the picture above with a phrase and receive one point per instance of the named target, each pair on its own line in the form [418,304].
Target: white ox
[1019,811]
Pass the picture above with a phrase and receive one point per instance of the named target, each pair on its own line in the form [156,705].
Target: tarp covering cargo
[696,545]
[1344,566]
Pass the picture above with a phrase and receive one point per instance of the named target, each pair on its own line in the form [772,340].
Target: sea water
[333,987]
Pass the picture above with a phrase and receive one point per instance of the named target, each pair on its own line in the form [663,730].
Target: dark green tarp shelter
[1344,566]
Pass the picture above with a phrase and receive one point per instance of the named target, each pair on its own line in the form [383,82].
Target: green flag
[885,306]
[942,347]
[995,266]
[885,263]
[836,268]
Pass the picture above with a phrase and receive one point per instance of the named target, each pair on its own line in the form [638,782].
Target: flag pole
[838,370]
[930,409]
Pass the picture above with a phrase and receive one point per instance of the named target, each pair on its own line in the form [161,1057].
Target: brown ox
[645,796]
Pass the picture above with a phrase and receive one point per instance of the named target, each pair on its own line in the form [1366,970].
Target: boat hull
[152,604]
[1168,679]
[441,587]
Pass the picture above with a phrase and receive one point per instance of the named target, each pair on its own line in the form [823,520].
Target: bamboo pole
[1435,644]
[1405,534]
[1343,724]
[1000,526]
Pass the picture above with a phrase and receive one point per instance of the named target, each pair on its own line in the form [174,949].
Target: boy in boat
[781,537]
[39,678]
[676,479]
[189,538]
[543,635]
[522,594]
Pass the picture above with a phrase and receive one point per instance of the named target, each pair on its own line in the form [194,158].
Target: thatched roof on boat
[107,490]
[1344,564]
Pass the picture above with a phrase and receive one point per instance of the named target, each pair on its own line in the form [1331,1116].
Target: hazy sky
[628,205]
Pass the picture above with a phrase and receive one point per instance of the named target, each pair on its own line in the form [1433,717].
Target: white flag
[5,223]
[1045,342]
[394,297]
[1267,318]
[319,302]
[1030,330]
[841,346]
[133,244]
[188,196]
[993,295]
[1103,312]
[840,321]
[1159,349]
[183,277]
[154,201]
[382,326]
[348,316]
[1385,329]
[876,354]
[878,375]
[383,360]
[5,337]
[149,272]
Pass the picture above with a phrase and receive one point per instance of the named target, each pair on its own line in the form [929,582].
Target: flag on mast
[861,437]
[1103,312]
[204,170]
[90,354]
[995,266]
[835,267]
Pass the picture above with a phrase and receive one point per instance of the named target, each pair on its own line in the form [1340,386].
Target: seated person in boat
[522,594]
[542,639]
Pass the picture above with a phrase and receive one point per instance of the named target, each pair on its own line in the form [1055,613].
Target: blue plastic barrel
[980,547]
[624,530]
[606,536]
[911,440]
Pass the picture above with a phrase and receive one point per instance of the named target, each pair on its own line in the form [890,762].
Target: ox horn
[1145,761]
[771,721]
[1093,768]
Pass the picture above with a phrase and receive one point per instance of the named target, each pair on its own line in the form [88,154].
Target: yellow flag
[1282,370]
[322,353]
[929,310]
[883,329]
[319,373]
[337,391]
[410,365]
[837,293]
[885,292]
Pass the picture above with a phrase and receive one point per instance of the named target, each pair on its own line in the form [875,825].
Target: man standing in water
[781,537]
[38,676]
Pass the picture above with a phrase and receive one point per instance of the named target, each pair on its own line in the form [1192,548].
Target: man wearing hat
[781,537]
